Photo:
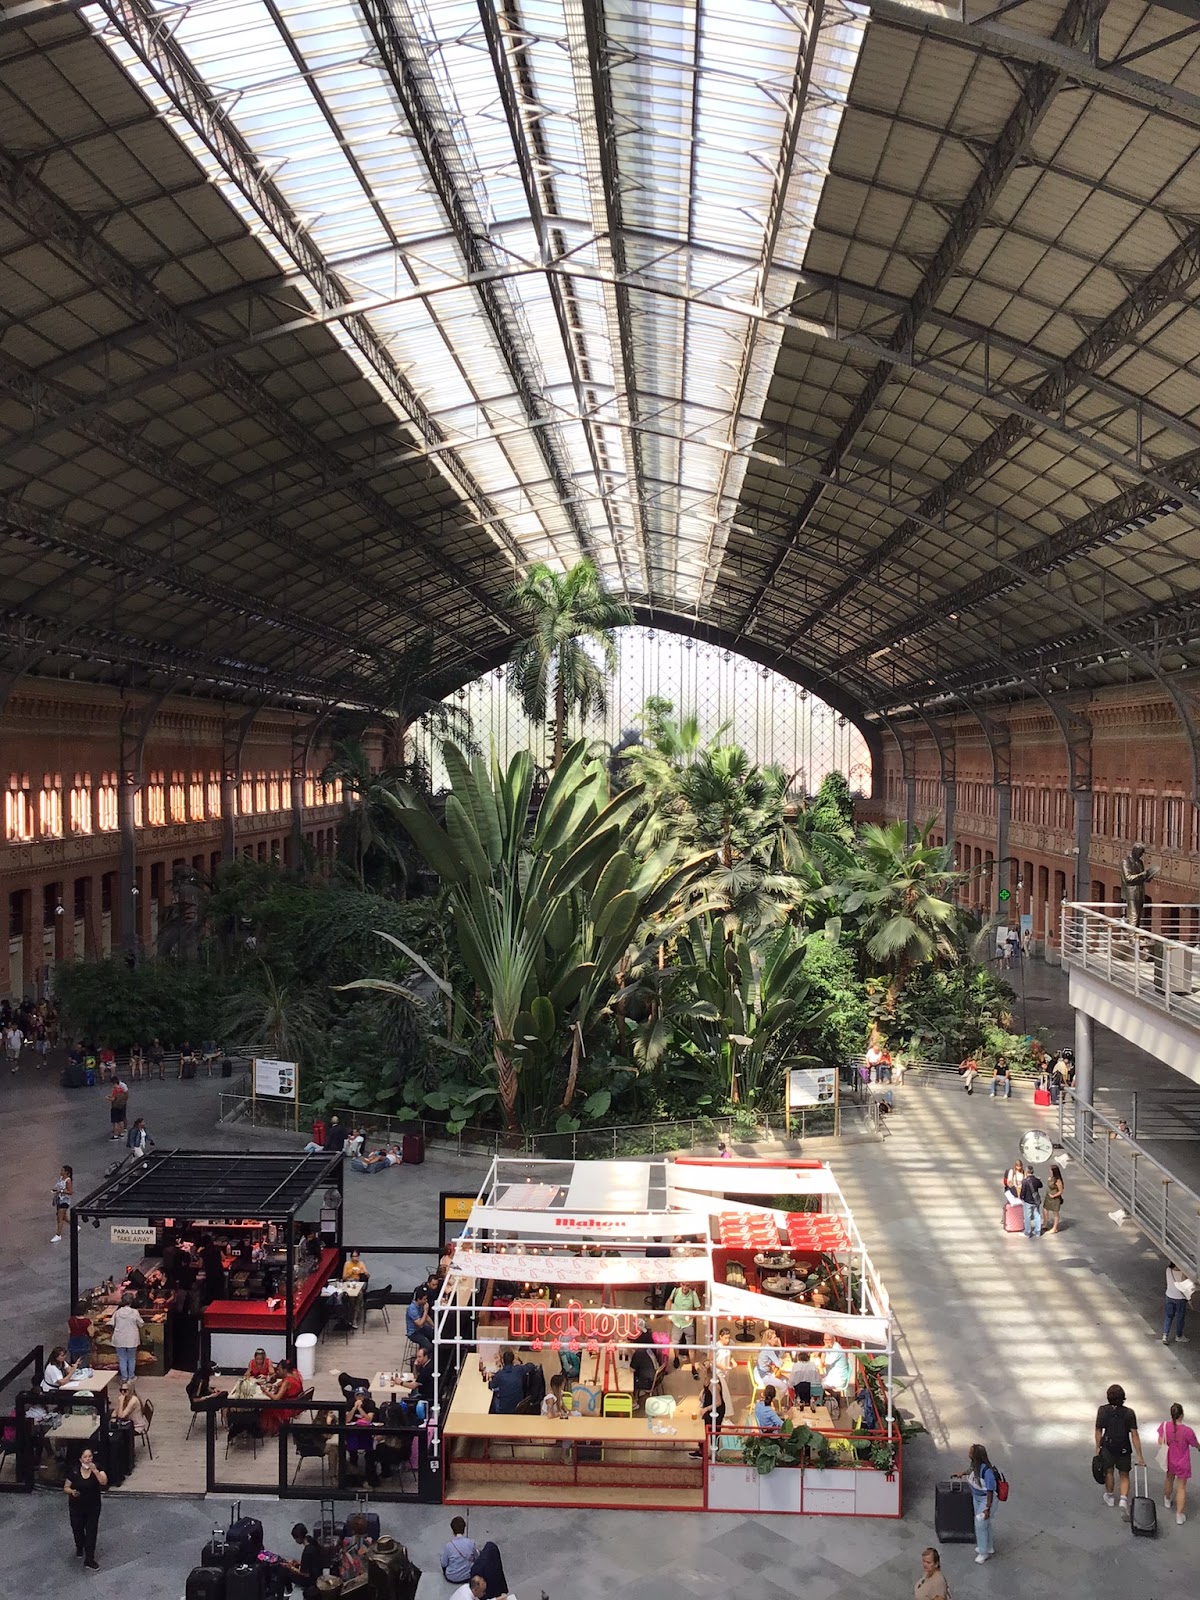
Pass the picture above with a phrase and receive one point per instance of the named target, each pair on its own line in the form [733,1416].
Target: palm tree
[567,612]
[903,892]
[273,1017]
[370,829]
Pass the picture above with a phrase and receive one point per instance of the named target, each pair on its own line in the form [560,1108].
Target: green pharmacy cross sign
[1004,895]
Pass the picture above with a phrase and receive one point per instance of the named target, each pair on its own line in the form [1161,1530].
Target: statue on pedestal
[1135,875]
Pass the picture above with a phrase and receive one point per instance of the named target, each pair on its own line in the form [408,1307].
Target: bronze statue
[1135,875]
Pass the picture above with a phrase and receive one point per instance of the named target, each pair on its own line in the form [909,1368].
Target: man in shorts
[13,1040]
[1116,1443]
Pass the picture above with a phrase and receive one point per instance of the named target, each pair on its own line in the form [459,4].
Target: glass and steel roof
[852,334]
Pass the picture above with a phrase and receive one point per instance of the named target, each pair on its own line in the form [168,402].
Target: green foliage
[1014,1047]
[832,808]
[552,666]
[943,1013]
[837,995]
[108,1002]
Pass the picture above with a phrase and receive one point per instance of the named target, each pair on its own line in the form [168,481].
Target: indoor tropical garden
[614,925]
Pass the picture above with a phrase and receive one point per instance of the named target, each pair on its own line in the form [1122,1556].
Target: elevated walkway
[1142,983]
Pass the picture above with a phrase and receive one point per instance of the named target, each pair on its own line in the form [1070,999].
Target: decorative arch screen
[772,717]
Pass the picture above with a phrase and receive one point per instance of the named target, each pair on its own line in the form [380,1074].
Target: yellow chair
[617,1405]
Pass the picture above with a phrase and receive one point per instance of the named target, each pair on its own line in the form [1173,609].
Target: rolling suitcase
[1041,1097]
[245,1534]
[246,1582]
[328,1530]
[1143,1513]
[954,1513]
[120,1452]
[219,1553]
[1014,1219]
[412,1148]
[205,1583]
[362,1509]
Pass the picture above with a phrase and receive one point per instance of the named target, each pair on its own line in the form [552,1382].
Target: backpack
[1001,1484]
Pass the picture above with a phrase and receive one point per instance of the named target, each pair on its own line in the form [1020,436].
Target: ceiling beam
[1035,92]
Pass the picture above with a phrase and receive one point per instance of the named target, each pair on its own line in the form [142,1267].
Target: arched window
[50,807]
[18,812]
[177,798]
[106,803]
[156,800]
[196,797]
[214,794]
[81,803]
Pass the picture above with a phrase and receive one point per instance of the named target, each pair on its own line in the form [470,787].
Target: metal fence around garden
[239,1108]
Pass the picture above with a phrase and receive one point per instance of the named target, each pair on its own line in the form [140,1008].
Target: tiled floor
[1002,1339]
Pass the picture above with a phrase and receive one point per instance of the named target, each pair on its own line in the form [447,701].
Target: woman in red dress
[289,1386]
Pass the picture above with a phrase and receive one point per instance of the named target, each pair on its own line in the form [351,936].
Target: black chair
[243,1423]
[201,1407]
[377,1300]
[310,1446]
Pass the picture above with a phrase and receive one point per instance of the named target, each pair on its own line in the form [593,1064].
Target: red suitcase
[413,1149]
[1041,1097]
[1014,1219]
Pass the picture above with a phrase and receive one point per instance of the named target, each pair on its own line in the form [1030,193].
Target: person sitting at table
[417,1321]
[360,1420]
[835,1365]
[57,1371]
[644,1364]
[129,1407]
[421,1388]
[766,1418]
[769,1361]
[507,1386]
[259,1365]
[288,1385]
[805,1379]
[552,1405]
[354,1268]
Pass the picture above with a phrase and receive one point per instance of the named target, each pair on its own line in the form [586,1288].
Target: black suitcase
[187,1069]
[74,1075]
[245,1535]
[121,1453]
[246,1582]
[328,1531]
[227,1068]
[954,1513]
[1143,1513]
[219,1553]
[205,1583]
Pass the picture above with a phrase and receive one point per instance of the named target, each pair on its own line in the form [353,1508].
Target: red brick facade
[1141,789]
[206,782]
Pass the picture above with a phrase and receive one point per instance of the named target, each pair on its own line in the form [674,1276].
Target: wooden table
[470,1417]
[388,1382]
[96,1384]
[75,1426]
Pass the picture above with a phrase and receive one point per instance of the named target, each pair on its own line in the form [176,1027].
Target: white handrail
[1157,968]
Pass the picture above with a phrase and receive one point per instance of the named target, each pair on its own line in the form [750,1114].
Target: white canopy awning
[850,1329]
[520,1267]
[565,1226]
[731,1178]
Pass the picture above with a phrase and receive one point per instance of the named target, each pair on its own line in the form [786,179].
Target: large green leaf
[619,913]
[545,1020]
[460,826]
[430,839]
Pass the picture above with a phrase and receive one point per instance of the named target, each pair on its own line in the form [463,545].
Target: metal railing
[1149,1194]
[629,1139]
[1155,967]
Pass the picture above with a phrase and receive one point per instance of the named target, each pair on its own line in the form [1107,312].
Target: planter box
[840,1492]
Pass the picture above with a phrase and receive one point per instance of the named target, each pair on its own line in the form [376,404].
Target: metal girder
[46,217]
[235,511]
[1009,44]
[26,522]
[585,21]
[906,744]
[947,751]
[522,114]
[141,27]
[30,634]
[1042,556]
[403,58]
[1034,97]
[1140,306]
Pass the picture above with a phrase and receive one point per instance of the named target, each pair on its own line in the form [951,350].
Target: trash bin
[306,1355]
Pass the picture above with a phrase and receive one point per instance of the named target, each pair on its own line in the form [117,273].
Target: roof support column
[134,726]
[1076,730]
[302,743]
[233,739]
[999,742]
[908,768]
[947,769]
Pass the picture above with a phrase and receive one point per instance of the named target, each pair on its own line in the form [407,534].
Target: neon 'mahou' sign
[534,1319]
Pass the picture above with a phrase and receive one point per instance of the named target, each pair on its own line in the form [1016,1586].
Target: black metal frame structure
[270,1186]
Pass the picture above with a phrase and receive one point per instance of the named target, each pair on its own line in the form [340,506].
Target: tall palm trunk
[560,718]
[573,1072]
[506,1088]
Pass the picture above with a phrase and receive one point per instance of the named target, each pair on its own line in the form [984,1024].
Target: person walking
[1179,1441]
[127,1337]
[137,1139]
[1175,1308]
[982,1482]
[1056,1193]
[1116,1442]
[931,1585]
[84,1488]
[64,1188]
[1031,1204]
[1001,1082]
[13,1040]
[118,1103]
[682,1303]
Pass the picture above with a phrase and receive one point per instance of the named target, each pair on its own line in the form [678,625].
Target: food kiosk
[232,1251]
[571,1266]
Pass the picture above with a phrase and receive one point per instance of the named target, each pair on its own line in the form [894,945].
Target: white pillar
[1084,1075]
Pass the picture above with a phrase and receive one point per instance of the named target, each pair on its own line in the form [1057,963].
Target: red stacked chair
[814,1232]
[745,1230]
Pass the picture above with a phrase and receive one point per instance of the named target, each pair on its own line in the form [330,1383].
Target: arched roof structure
[857,337]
